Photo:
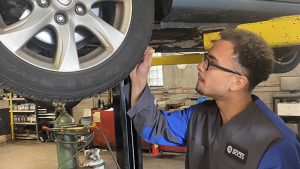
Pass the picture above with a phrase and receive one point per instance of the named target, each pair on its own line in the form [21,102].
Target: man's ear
[240,82]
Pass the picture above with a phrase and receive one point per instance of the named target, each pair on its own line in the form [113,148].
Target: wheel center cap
[65,2]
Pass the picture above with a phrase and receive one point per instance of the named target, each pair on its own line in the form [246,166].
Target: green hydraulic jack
[65,152]
[67,135]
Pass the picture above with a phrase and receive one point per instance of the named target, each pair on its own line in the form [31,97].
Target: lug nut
[79,9]
[43,3]
[60,19]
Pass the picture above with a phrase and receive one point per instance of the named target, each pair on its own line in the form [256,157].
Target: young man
[235,130]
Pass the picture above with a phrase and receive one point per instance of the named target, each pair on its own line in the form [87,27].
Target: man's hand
[139,76]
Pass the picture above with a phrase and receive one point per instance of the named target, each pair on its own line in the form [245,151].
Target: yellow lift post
[278,32]
[11,117]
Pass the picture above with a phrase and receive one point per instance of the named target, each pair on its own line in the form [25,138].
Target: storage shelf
[27,109]
[25,123]
[13,99]
[46,117]
[26,138]
[17,99]
[25,135]
[23,111]
[46,114]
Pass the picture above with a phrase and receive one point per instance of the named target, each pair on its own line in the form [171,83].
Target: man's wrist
[136,92]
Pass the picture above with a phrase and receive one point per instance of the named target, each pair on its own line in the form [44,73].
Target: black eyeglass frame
[209,63]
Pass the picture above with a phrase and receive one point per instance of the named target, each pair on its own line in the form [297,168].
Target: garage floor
[33,155]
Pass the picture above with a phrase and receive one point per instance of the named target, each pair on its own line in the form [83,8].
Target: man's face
[215,82]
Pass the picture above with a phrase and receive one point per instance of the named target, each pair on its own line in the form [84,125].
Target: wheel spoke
[18,34]
[108,35]
[2,23]
[66,58]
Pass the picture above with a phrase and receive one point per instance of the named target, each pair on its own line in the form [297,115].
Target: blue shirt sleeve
[176,128]
[282,155]
[158,126]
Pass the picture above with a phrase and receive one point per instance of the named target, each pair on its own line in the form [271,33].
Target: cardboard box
[4,104]
[5,138]
[288,109]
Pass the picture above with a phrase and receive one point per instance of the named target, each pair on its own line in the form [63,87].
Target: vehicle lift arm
[278,32]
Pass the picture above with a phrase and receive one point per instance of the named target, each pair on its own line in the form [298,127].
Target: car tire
[286,59]
[37,83]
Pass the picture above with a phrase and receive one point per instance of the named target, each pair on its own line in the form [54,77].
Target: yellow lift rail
[278,32]
[177,59]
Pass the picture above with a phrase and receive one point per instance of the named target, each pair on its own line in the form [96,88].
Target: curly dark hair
[254,55]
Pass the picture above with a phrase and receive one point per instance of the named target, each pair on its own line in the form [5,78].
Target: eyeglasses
[207,62]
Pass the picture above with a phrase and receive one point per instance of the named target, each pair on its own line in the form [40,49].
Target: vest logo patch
[237,153]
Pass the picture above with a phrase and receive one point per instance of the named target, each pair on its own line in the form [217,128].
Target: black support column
[128,145]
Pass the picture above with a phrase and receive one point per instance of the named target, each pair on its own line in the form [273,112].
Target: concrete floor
[34,155]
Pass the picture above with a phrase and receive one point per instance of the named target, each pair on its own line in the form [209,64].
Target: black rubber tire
[39,84]
[293,55]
